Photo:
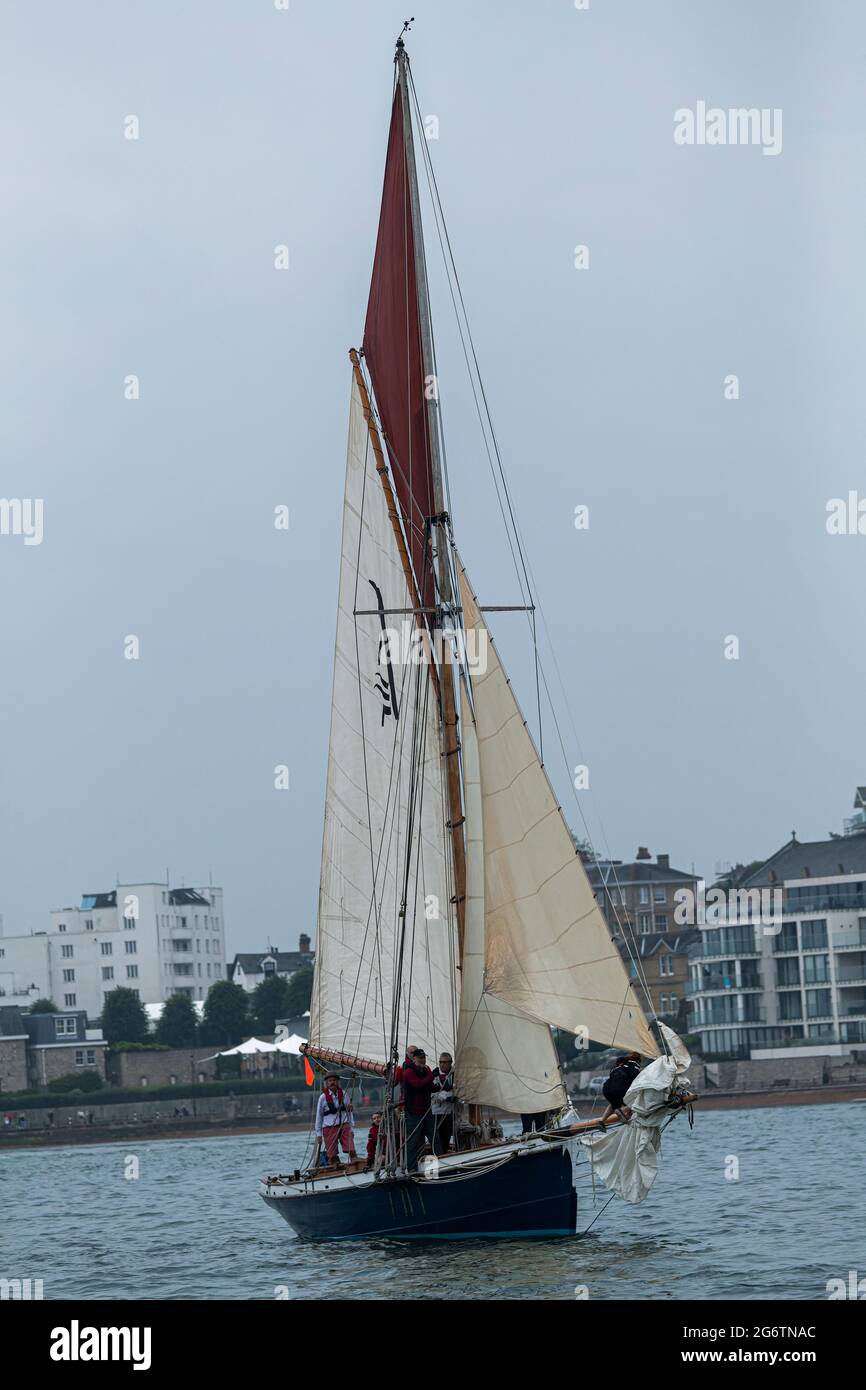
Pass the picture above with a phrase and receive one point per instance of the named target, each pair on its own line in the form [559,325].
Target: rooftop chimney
[304,944]
[643,853]
[663,861]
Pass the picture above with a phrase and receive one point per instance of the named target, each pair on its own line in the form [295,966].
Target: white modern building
[147,937]
[787,963]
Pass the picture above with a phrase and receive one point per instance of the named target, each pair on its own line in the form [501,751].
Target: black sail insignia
[384,682]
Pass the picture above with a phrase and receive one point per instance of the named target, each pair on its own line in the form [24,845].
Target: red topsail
[392,349]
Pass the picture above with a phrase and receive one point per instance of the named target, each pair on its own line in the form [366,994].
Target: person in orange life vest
[372,1138]
[334,1120]
[417,1090]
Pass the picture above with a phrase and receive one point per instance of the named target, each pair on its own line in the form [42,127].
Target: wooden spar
[586,1126]
[390,502]
[342,1059]
[439,524]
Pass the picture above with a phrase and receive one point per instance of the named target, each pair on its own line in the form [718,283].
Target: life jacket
[330,1107]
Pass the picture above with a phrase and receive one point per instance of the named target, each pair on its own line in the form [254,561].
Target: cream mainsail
[504,1058]
[383,773]
[548,951]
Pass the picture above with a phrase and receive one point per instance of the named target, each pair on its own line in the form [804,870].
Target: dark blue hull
[527,1195]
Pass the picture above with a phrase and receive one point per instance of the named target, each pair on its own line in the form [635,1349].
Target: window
[199,968]
[661,921]
[207,945]
[69,977]
[79,1057]
[182,944]
[674,1004]
[666,965]
[132,972]
[198,945]
[129,923]
[172,1081]
[69,1001]
[65,1027]
[91,1056]
[108,972]
[787,938]
[816,970]
[790,1005]
[88,924]
[818,1003]
[659,893]
[788,971]
[182,921]
[644,893]
[131,947]
[814,934]
[61,926]
[105,948]
[663,1003]
[645,922]
[66,951]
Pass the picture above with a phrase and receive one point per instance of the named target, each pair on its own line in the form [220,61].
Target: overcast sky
[155,257]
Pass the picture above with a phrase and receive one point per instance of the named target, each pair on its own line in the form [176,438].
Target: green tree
[44,1006]
[269,1002]
[178,1023]
[300,991]
[123,1017]
[226,1015]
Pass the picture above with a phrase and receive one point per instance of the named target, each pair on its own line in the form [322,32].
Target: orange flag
[309,1074]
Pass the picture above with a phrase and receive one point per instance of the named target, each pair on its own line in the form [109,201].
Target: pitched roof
[811,859]
[11,1022]
[642,871]
[251,961]
[650,943]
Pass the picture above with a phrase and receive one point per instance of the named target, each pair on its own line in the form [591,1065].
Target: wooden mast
[439,522]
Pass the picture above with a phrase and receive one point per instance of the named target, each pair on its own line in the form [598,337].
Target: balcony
[724,984]
[722,952]
[849,940]
[824,902]
[716,1020]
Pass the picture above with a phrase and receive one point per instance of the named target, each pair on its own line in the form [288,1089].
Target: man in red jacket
[417,1089]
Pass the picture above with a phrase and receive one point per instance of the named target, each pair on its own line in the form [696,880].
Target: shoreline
[235,1128]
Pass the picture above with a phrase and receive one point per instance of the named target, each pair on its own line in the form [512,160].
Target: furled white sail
[626,1160]
[547,947]
[504,1058]
[382,705]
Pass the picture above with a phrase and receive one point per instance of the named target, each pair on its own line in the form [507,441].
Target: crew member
[417,1089]
[334,1121]
[622,1074]
[442,1104]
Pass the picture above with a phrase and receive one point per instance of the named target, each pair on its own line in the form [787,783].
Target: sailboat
[454,912]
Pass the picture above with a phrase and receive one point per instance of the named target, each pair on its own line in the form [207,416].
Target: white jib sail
[548,949]
[504,1058]
[627,1159]
[382,704]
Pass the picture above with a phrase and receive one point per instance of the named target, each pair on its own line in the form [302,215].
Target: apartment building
[148,937]
[787,962]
